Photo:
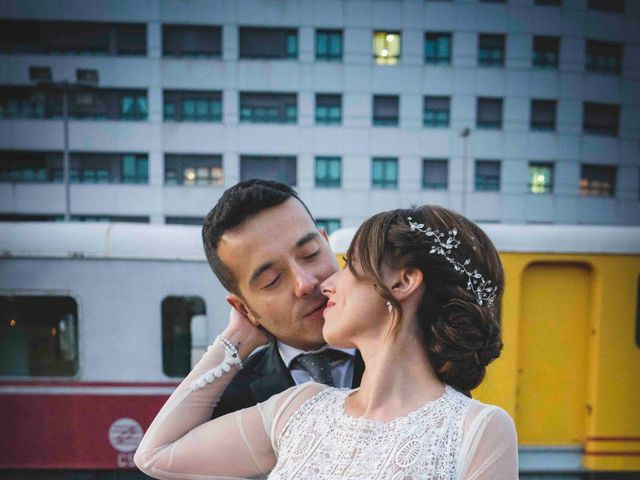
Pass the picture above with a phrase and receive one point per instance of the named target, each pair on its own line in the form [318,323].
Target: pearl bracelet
[231,357]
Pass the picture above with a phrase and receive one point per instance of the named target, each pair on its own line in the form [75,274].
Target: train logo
[125,434]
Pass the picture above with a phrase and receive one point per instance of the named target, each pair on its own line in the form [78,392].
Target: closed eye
[272,283]
[312,255]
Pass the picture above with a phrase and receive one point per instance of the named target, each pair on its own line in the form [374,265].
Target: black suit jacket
[265,374]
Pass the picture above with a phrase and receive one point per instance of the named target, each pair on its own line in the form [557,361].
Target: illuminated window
[435,174]
[39,336]
[543,115]
[487,175]
[328,172]
[184,334]
[190,170]
[598,180]
[386,47]
[540,177]
[384,172]
[329,224]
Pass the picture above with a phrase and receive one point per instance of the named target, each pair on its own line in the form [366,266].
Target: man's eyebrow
[259,271]
[307,238]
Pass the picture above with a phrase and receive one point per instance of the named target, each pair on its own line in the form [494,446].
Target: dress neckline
[381,424]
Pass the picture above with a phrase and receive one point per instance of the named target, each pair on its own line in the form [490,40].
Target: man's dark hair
[236,205]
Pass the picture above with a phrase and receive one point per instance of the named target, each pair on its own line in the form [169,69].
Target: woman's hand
[245,335]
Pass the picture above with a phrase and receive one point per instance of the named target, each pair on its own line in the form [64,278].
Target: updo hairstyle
[460,336]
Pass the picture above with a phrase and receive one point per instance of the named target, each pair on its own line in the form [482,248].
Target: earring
[389,306]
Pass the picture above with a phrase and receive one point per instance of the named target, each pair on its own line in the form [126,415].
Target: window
[268,107]
[184,334]
[616,6]
[489,113]
[540,177]
[328,109]
[601,119]
[76,38]
[386,47]
[109,218]
[487,175]
[106,168]
[190,170]
[105,104]
[491,50]
[184,221]
[330,225]
[191,41]
[437,48]
[29,102]
[192,106]
[604,57]
[386,110]
[493,1]
[328,172]
[384,173]
[39,336]
[436,112]
[329,45]
[29,167]
[548,3]
[274,43]
[598,180]
[13,217]
[546,52]
[543,114]
[435,174]
[279,169]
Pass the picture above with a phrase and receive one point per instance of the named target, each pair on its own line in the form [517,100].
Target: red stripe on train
[71,383]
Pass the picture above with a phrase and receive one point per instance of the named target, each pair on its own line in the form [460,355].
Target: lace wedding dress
[304,433]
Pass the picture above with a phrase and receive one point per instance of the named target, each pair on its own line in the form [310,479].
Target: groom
[262,243]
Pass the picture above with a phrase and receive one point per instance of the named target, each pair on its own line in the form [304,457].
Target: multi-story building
[508,111]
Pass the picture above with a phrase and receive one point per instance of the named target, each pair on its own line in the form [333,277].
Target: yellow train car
[569,373]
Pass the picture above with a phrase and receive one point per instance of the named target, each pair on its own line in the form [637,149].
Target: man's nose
[305,282]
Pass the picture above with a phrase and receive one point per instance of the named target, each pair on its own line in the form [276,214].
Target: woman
[419,299]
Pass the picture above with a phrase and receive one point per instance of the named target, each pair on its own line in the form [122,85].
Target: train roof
[184,243]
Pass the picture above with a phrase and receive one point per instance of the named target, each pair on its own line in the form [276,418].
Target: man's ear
[238,303]
[323,234]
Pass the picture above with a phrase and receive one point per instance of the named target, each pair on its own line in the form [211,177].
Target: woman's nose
[328,286]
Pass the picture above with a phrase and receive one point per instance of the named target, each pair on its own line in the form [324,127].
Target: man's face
[279,258]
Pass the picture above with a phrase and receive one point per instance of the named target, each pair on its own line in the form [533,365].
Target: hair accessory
[231,357]
[483,289]
[389,306]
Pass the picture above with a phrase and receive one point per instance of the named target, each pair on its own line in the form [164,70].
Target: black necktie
[318,365]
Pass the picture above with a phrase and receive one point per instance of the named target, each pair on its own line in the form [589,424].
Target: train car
[569,373]
[99,323]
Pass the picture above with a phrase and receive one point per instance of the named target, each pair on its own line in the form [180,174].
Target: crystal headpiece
[483,289]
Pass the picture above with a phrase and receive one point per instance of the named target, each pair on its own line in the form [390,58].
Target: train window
[184,334]
[38,336]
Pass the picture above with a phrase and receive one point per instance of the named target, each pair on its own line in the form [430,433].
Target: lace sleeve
[182,441]
[490,445]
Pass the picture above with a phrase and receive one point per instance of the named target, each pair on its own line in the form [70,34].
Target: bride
[419,298]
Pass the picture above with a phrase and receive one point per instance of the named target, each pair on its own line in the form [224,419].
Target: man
[262,243]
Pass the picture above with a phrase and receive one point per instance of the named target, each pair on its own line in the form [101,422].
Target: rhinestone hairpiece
[483,289]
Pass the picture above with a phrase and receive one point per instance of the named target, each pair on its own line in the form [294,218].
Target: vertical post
[465,160]
[65,155]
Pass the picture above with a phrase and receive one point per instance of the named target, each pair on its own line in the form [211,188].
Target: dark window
[598,180]
[268,43]
[191,41]
[604,57]
[328,172]
[543,114]
[268,107]
[488,175]
[105,168]
[30,102]
[192,106]
[184,221]
[328,109]
[106,104]
[80,38]
[29,167]
[491,50]
[386,110]
[330,225]
[489,113]
[39,336]
[279,169]
[540,177]
[387,47]
[549,3]
[546,52]
[435,174]
[493,1]
[182,169]
[601,119]
[13,217]
[384,173]
[109,218]
[437,48]
[184,334]
[436,112]
[616,6]
[329,45]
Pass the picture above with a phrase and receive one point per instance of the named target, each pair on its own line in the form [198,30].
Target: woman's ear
[405,282]
[238,303]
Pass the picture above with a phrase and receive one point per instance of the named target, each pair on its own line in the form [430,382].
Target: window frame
[384,183]
[179,97]
[246,53]
[485,53]
[436,58]
[180,162]
[329,56]
[286,101]
[435,186]
[328,181]
[385,46]
[436,122]
[486,183]
[483,123]
[179,30]
[378,120]
[546,187]
[331,100]
[541,126]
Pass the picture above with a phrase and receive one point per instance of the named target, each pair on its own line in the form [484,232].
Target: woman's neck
[397,380]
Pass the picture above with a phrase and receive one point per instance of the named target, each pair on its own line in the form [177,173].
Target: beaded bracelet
[231,357]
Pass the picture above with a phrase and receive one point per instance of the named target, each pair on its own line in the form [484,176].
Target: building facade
[513,111]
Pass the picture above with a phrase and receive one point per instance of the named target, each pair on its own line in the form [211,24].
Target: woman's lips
[329,305]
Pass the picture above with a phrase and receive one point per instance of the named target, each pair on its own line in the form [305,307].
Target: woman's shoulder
[485,416]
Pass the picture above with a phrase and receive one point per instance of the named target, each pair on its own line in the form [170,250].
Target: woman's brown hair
[461,337]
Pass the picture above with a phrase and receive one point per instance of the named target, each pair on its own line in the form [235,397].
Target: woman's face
[354,311]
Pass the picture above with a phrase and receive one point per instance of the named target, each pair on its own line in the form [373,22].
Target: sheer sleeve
[182,441]
[489,445]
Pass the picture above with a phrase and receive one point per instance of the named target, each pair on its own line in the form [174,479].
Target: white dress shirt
[341,370]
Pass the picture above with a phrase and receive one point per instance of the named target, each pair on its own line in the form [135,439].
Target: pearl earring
[389,306]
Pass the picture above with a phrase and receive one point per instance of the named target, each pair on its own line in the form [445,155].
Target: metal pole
[65,155]
[465,160]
